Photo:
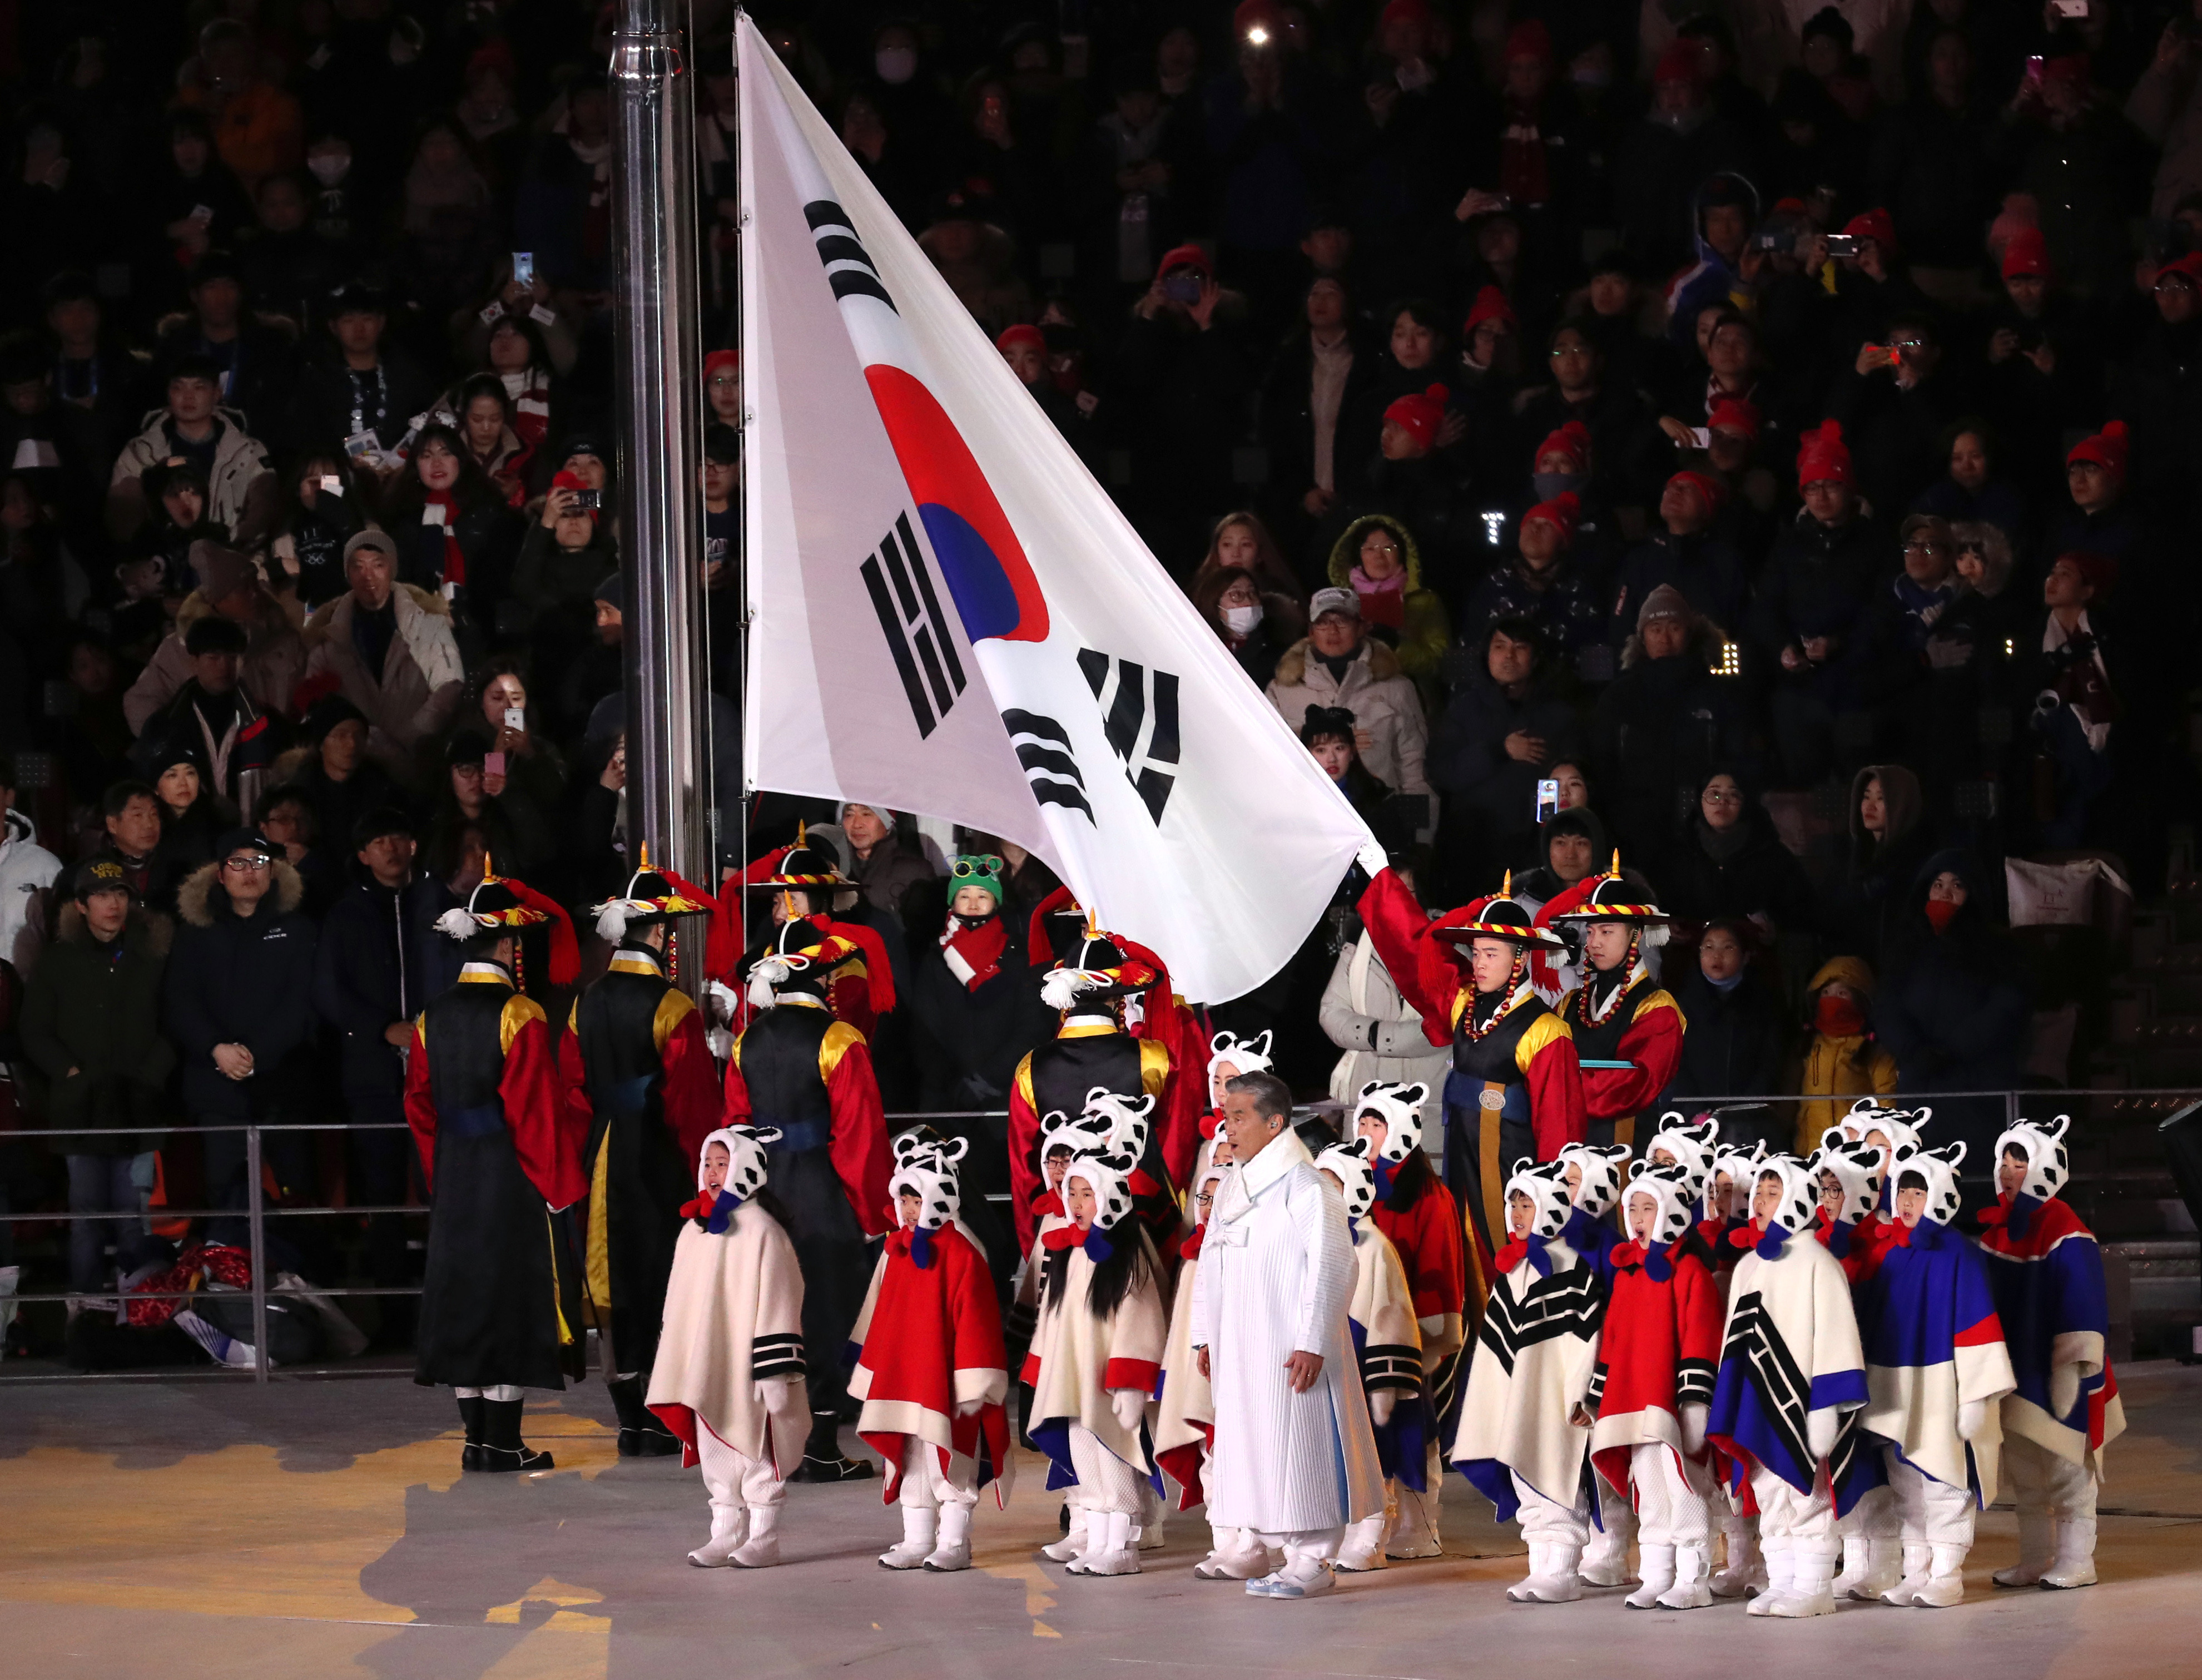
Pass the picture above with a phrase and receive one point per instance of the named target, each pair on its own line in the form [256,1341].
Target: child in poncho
[729,1379]
[1850,1174]
[930,1370]
[1593,1172]
[2046,1270]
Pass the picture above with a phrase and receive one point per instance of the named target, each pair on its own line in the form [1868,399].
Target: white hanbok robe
[1276,1276]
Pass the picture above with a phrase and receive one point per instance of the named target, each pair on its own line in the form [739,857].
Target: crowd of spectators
[1748,436]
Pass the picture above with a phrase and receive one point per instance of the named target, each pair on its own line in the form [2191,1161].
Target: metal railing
[257,1211]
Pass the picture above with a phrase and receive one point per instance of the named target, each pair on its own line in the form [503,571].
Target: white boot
[730,1527]
[1552,1580]
[1945,1579]
[1690,1590]
[1605,1554]
[1655,1563]
[1364,1547]
[2037,1550]
[1812,1581]
[1154,1512]
[1521,1592]
[1780,1565]
[1745,1570]
[1238,1556]
[1067,1549]
[1880,1567]
[954,1551]
[2076,1555]
[762,1549]
[1114,1552]
[918,1522]
[1303,1577]
[1918,1568]
[1414,1531]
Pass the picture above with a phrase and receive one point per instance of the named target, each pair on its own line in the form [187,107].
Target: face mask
[1591,77]
[1838,1017]
[1550,485]
[1941,912]
[1241,621]
[895,65]
[330,168]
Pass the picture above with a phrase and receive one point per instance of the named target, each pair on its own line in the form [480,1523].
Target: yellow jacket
[1832,1069]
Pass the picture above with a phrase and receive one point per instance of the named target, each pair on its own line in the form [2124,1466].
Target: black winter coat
[369,972]
[92,1026]
[1763,878]
[244,980]
[1734,1045]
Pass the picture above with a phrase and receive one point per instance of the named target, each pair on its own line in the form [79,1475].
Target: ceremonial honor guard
[500,1304]
[1627,1029]
[1516,1090]
[796,1069]
[641,1089]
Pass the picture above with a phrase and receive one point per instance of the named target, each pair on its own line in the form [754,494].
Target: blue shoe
[1262,1586]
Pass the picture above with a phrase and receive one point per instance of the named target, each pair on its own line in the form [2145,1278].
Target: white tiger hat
[1741,1168]
[1058,1130]
[1110,1174]
[2048,1167]
[926,1167]
[1801,1193]
[1693,1143]
[1669,1189]
[1248,1055]
[1858,1167]
[1348,1162]
[1400,1108]
[746,1156]
[1547,1187]
[1939,1167]
[1123,1123]
[1899,1126]
[1602,1166]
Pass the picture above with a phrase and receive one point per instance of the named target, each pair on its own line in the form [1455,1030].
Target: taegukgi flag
[951,617]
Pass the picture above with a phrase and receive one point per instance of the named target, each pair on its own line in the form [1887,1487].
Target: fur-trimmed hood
[155,931]
[321,626]
[1293,668]
[1346,552]
[195,898]
[269,621]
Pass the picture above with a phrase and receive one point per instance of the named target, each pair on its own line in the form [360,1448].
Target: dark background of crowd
[1775,428]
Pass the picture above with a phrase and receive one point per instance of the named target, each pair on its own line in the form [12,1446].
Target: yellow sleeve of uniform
[1024,1078]
[1545,1029]
[1658,1000]
[672,1010]
[1154,1068]
[573,1018]
[839,1037]
[520,1008]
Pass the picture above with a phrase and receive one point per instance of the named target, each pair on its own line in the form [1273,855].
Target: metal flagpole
[741,697]
[660,428]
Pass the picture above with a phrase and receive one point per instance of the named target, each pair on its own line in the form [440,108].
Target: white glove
[771,1392]
[722,1000]
[1821,1428]
[2063,1389]
[1381,1401]
[1693,1416]
[969,1408]
[1373,859]
[1129,1403]
[1972,1417]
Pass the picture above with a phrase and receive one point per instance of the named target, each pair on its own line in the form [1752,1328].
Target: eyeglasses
[1202,1198]
[1922,545]
[1719,796]
[245,865]
[971,869]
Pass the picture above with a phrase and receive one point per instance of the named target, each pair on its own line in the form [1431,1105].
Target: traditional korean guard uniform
[1619,1016]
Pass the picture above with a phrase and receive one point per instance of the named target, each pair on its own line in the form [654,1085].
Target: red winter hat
[1684,61]
[1421,413]
[1711,491]
[2071,67]
[1823,454]
[2187,268]
[1875,225]
[566,480]
[2106,449]
[1734,411]
[2100,571]
[1561,513]
[1490,304]
[721,358]
[2028,253]
[1183,257]
[1022,334]
[1530,40]
[1572,440]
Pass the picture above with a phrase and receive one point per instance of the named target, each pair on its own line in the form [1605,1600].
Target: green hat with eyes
[982,869]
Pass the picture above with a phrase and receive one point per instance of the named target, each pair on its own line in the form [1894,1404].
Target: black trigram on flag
[1043,750]
[918,638]
[1139,713]
[837,242]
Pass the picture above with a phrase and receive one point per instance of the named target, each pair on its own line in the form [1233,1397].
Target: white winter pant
[1934,1513]
[731,1477]
[1671,1508]
[925,1488]
[1873,1517]
[2045,1484]
[1807,1519]
[1608,1543]
[1315,1545]
[1416,1518]
[1544,1520]
[1105,1481]
[504,1393]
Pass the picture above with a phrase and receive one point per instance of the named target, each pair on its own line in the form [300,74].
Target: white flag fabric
[951,618]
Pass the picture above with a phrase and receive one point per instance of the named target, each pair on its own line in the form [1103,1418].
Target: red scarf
[1047,1204]
[455,559]
[1838,1017]
[1190,1248]
[980,948]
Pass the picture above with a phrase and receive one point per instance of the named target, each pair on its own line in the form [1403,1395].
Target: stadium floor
[322,1529]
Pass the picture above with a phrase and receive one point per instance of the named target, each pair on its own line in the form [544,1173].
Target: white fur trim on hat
[746,1157]
[1601,1166]
[1109,1176]
[926,1167]
[1247,1055]
[1400,1108]
[1858,1166]
[2048,1167]
[1348,1162]
[1670,1190]
[1939,1167]
[1800,1194]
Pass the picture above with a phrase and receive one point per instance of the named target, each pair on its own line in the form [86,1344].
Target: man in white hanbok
[1293,1459]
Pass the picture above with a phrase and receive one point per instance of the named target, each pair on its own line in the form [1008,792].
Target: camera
[587,501]
[332,485]
[1184,287]
[1843,245]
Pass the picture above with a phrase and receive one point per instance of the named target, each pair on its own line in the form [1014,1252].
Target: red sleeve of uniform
[421,1109]
[1397,928]
[576,1109]
[530,1090]
[737,1109]
[1024,1178]
[1556,1096]
[851,1002]
[860,1138]
[1652,1045]
[692,1095]
[1181,1110]
[1698,1306]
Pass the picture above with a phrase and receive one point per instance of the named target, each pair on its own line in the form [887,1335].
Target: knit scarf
[1767,1241]
[1381,1170]
[1097,1246]
[2016,1215]
[915,1240]
[1653,1257]
[455,559]
[1383,602]
[1530,1247]
[712,1214]
[1836,1234]
[1926,1236]
[977,943]
[1190,1248]
[1047,1203]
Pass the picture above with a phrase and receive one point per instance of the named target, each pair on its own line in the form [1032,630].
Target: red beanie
[1823,454]
[1183,257]
[1874,225]
[1530,40]
[1490,304]
[1022,333]
[1572,440]
[2028,253]
[1734,411]
[1561,513]
[2106,449]
[1684,61]
[2100,571]
[1421,413]
[1711,491]
[2187,268]
[566,480]
[721,358]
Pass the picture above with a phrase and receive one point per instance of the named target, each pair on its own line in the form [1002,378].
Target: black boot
[822,1458]
[626,1400]
[504,1450]
[471,1456]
